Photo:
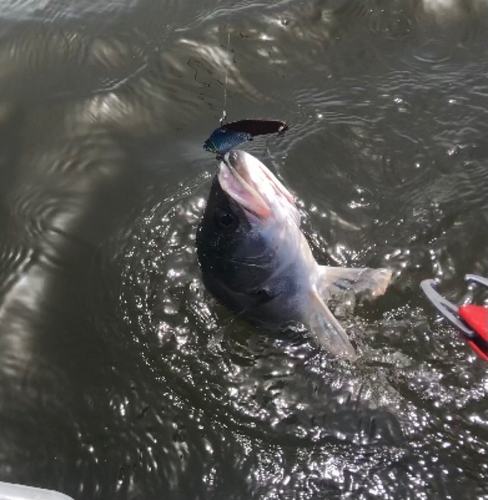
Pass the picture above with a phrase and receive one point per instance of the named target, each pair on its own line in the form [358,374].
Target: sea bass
[256,261]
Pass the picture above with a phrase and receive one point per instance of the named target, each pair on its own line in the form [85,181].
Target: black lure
[231,135]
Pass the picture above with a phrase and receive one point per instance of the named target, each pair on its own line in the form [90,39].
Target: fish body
[256,261]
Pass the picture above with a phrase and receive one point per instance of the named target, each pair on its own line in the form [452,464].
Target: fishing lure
[230,135]
[471,320]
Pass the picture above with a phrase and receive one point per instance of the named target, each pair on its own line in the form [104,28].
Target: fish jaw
[249,183]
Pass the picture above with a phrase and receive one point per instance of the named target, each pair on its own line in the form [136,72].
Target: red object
[477,318]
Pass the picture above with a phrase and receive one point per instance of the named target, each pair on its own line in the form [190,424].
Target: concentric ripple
[120,377]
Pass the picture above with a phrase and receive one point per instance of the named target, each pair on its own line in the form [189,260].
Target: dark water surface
[119,377]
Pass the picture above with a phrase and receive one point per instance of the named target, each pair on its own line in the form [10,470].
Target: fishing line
[230,135]
[224,113]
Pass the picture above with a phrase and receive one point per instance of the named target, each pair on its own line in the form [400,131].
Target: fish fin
[366,282]
[327,330]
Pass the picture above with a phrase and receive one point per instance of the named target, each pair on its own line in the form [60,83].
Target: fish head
[249,237]
[264,200]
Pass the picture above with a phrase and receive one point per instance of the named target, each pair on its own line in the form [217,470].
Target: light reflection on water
[119,376]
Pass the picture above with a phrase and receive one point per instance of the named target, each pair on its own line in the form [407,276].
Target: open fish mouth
[250,184]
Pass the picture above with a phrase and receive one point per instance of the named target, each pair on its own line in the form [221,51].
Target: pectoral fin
[366,282]
[327,330]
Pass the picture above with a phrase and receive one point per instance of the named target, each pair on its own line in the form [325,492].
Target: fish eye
[225,219]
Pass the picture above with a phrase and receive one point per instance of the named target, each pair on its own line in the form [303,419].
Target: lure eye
[225,220]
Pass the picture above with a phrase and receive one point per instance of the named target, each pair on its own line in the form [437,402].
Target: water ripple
[121,377]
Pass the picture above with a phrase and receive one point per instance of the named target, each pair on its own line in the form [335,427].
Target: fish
[256,261]
[233,134]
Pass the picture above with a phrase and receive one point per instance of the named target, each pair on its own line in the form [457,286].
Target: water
[120,378]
